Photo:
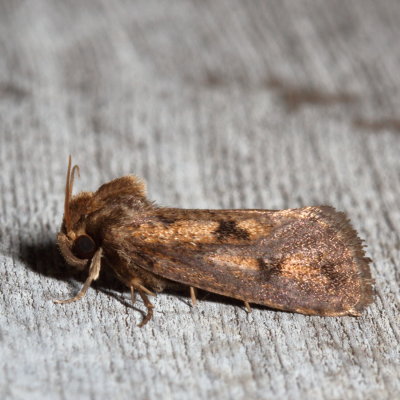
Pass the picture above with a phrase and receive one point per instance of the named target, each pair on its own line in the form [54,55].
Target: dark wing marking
[307,260]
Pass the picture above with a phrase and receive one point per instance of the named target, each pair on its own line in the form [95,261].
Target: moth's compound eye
[84,247]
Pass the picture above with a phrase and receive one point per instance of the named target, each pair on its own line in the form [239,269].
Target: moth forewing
[306,260]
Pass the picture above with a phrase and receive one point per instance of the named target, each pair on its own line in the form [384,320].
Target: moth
[307,260]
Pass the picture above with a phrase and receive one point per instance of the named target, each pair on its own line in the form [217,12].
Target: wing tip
[349,235]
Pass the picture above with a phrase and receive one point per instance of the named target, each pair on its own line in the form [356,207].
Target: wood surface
[216,104]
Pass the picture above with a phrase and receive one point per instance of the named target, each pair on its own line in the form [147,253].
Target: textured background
[216,104]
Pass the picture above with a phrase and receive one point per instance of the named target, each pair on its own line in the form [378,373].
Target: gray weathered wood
[216,104]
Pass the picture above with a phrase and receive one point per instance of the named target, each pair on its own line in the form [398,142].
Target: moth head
[76,245]
[84,212]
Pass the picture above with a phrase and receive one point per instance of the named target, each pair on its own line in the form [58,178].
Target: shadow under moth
[307,260]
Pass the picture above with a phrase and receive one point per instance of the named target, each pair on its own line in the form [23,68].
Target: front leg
[94,271]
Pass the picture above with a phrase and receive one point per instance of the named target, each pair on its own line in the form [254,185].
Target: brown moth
[307,260]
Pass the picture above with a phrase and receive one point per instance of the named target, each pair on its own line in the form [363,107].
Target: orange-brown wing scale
[306,260]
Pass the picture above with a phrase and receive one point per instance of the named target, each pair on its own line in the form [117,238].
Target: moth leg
[133,295]
[149,306]
[247,305]
[141,288]
[193,295]
[94,271]
[136,285]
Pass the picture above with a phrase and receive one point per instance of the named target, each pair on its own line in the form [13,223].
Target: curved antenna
[75,168]
[68,193]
